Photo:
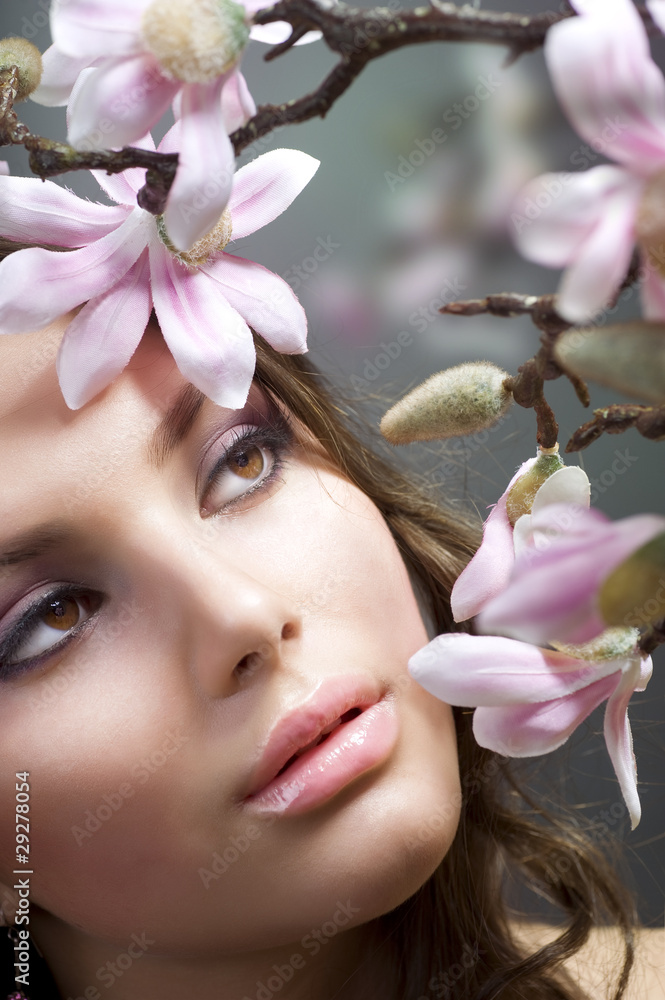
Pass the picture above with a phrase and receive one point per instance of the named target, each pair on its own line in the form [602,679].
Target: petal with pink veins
[597,272]
[237,103]
[608,84]
[264,300]
[652,293]
[37,286]
[59,74]
[489,571]
[210,342]
[494,671]
[265,188]
[567,209]
[32,211]
[117,102]
[618,735]
[200,191]
[532,730]
[94,28]
[552,593]
[100,341]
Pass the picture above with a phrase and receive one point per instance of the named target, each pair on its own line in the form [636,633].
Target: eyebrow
[175,425]
[167,436]
[33,543]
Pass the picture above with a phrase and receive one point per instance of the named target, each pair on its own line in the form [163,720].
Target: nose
[226,617]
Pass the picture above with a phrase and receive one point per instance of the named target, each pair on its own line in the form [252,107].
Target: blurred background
[397,220]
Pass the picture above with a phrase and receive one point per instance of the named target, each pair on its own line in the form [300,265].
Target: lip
[353,746]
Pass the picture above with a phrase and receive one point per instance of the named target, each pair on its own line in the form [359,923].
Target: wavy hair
[457,936]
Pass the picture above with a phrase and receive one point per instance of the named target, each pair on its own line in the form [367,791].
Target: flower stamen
[195,41]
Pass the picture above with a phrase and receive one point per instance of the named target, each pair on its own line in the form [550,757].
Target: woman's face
[179,614]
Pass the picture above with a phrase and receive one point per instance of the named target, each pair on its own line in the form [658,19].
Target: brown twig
[649,421]
[652,638]
[527,386]
[359,36]
[49,158]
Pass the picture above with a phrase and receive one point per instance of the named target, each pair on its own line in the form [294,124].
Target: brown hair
[455,937]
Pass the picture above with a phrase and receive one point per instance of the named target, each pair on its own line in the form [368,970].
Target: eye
[251,462]
[44,625]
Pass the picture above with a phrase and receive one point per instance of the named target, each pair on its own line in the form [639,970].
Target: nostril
[242,665]
[288,630]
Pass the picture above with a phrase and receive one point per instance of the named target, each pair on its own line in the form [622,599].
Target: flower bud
[612,644]
[460,400]
[27,58]
[520,499]
[195,40]
[628,357]
[634,592]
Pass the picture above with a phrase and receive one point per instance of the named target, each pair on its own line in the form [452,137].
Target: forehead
[44,444]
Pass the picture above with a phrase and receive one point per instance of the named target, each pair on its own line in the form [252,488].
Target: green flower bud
[627,357]
[27,58]
[460,400]
[195,40]
[520,499]
[635,590]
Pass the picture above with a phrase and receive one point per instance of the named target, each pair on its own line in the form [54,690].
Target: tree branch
[359,36]
[649,421]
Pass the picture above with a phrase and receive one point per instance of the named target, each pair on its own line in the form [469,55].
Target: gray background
[396,246]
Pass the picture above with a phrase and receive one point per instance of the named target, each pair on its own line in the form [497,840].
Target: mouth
[353,713]
[345,728]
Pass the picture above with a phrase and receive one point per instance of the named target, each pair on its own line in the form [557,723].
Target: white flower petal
[59,74]
[37,286]
[264,300]
[101,339]
[206,165]
[94,28]
[210,342]
[117,102]
[34,211]
[264,188]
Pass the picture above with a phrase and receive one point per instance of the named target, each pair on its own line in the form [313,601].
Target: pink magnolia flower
[488,573]
[553,589]
[136,65]
[588,223]
[529,700]
[205,300]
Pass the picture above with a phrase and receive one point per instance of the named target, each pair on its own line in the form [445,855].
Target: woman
[193,599]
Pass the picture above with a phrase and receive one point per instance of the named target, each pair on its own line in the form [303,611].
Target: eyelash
[275,438]
[26,627]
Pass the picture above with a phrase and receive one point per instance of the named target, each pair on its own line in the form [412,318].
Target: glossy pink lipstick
[346,728]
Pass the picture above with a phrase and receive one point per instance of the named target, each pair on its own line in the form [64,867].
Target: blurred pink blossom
[588,223]
[552,593]
[205,302]
[529,700]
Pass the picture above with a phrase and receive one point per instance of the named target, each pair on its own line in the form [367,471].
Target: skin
[209,630]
